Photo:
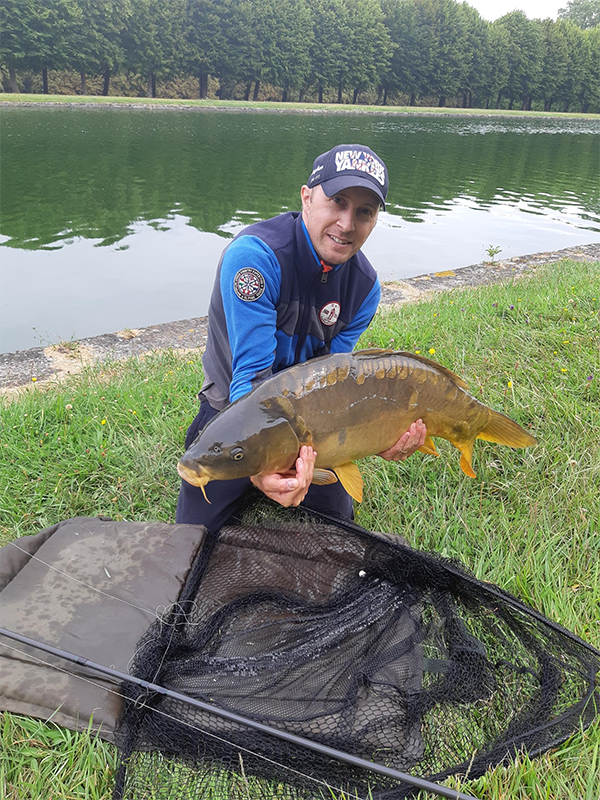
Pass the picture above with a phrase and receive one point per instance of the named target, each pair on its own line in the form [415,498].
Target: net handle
[347,758]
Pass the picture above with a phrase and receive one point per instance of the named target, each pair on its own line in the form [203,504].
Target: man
[287,290]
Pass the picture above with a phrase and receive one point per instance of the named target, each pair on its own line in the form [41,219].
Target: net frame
[558,683]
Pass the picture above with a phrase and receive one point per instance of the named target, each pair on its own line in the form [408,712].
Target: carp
[346,406]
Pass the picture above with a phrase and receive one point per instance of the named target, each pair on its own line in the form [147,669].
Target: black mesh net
[349,639]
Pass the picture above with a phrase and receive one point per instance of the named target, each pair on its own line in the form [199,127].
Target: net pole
[355,761]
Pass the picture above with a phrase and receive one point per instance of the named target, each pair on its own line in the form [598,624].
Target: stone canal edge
[39,365]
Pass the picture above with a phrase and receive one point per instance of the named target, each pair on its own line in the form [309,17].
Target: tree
[584,13]
[205,40]
[476,62]
[566,63]
[525,57]
[590,85]
[96,40]
[19,38]
[58,21]
[499,41]
[412,56]
[154,38]
[366,47]
[241,57]
[327,45]
[284,29]
[556,64]
[37,35]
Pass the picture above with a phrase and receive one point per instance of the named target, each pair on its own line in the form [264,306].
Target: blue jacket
[275,304]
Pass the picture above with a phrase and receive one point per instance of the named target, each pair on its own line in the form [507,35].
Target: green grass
[46,762]
[277,106]
[106,442]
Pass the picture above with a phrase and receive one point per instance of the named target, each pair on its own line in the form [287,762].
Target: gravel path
[41,364]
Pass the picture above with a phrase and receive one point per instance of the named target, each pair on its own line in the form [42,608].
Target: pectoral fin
[283,407]
[429,447]
[351,480]
[323,477]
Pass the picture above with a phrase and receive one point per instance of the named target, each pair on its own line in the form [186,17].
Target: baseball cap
[347,165]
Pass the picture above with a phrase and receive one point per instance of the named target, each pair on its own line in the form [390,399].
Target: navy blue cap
[349,165]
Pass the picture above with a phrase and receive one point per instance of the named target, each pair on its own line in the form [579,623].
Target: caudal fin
[503,430]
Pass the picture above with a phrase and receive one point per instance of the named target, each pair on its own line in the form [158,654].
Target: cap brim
[334,185]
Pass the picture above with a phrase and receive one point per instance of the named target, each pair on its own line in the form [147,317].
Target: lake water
[116,218]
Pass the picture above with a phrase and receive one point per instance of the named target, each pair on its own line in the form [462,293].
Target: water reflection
[116,218]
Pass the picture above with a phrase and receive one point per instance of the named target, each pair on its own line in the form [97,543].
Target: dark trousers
[226,496]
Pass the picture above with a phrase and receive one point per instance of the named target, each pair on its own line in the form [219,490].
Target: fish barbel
[346,406]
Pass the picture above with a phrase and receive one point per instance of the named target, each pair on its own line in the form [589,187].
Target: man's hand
[289,488]
[406,445]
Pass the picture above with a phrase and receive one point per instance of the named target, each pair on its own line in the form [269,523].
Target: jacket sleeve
[346,339]
[251,322]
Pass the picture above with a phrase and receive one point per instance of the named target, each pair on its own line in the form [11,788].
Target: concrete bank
[41,364]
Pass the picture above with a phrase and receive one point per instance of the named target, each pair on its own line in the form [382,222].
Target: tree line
[334,50]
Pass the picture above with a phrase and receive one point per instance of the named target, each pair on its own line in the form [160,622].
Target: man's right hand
[289,488]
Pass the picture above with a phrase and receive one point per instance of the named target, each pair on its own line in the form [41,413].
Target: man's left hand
[407,444]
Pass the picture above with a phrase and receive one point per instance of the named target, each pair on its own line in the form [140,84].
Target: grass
[106,442]
[278,106]
[46,762]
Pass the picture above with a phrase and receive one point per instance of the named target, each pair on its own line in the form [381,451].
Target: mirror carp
[346,406]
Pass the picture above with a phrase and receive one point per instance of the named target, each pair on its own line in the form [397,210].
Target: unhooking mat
[90,586]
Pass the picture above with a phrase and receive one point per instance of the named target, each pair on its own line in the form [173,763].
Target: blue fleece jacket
[275,304]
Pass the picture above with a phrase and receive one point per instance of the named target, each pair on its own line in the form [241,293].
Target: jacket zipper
[304,330]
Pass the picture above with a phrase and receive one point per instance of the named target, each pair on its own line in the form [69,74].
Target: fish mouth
[194,477]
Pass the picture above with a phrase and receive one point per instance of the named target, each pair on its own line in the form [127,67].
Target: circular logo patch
[329,314]
[248,284]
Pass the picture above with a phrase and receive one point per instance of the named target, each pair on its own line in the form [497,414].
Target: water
[115,218]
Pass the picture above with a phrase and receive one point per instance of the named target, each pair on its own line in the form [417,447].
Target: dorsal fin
[374,351]
[434,364]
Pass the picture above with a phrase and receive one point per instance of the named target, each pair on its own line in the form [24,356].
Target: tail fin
[503,430]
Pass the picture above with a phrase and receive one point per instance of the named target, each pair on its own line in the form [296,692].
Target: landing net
[350,639]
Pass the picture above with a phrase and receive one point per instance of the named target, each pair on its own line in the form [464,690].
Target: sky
[492,9]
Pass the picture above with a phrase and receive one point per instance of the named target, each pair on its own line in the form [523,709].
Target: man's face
[338,226]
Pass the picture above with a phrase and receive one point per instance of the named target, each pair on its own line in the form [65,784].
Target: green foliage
[327,46]
[493,251]
[284,30]
[39,761]
[154,38]
[366,48]
[205,39]
[584,13]
[525,57]
[428,49]
[97,40]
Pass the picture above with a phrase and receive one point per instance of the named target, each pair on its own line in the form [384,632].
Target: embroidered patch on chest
[329,314]
[248,284]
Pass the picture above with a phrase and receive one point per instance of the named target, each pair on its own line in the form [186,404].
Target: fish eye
[237,453]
